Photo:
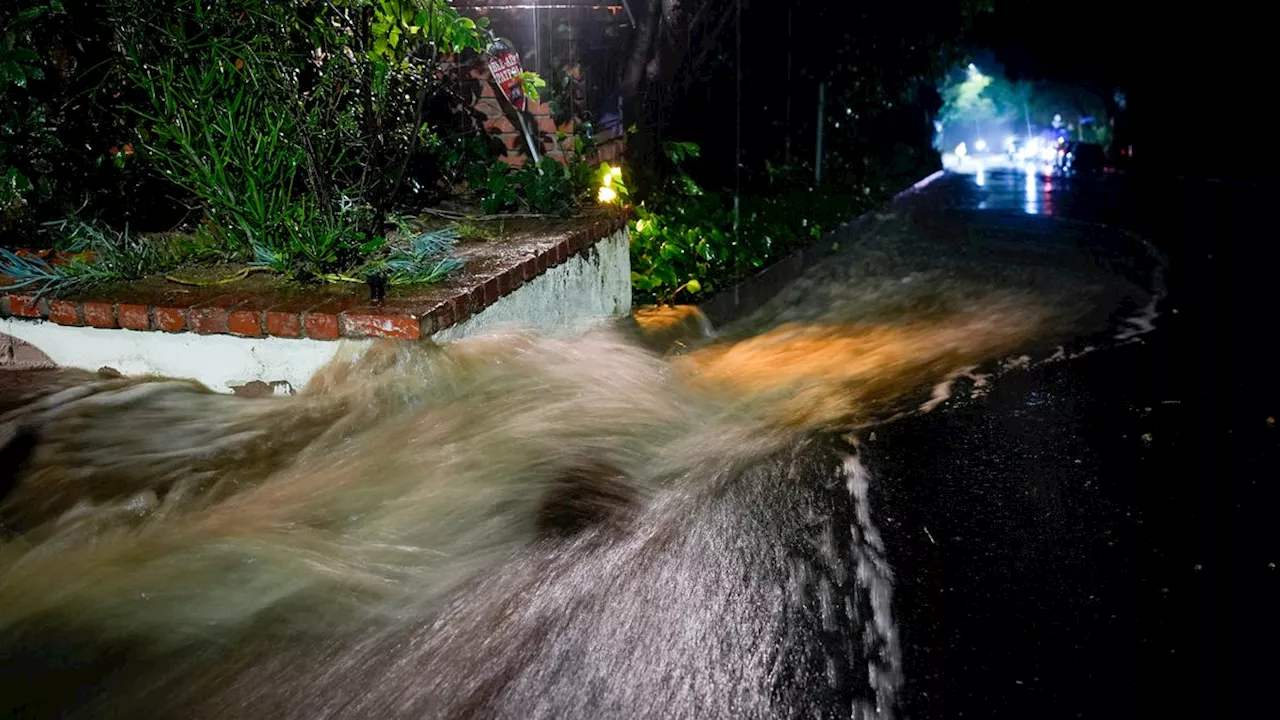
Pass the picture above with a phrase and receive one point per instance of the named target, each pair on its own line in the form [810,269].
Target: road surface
[1096,537]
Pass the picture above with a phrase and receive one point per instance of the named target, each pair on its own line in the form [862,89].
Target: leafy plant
[531,84]
[423,258]
[98,255]
[683,241]
[19,112]
[286,121]
[549,187]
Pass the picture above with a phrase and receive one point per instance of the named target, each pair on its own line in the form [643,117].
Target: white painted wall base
[588,289]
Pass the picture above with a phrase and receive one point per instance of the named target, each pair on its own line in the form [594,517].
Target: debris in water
[1146,438]
[926,532]
[1020,362]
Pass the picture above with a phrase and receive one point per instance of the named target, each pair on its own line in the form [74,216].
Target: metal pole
[737,149]
[787,142]
[530,140]
[537,41]
[817,163]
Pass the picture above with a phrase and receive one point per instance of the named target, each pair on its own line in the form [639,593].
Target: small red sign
[504,65]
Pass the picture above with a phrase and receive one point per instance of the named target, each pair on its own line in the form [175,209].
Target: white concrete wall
[586,290]
[219,361]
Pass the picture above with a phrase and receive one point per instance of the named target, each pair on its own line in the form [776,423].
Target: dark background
[1197,80]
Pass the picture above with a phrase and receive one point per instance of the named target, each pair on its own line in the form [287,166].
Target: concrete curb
[747,296]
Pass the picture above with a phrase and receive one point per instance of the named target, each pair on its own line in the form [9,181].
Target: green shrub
[288,122]
[22,116]
[686,241]
[297,129]
[548,187]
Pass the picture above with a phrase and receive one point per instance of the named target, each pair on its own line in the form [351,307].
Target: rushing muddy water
[656,520]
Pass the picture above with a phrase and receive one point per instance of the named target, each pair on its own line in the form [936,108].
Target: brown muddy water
[659,519]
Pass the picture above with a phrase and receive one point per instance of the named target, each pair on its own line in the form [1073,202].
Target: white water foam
[1142,323]
[875,577]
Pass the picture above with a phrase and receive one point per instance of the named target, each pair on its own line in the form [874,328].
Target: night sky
[1197,81]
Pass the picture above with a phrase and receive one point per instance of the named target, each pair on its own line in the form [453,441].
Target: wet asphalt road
[1051,561]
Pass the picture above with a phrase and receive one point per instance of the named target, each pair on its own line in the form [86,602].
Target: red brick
[24,306]
[364,322]
[541,262]
[170,319]
[282,323]
[99,314]
[515,161]
[529,269]
[515,278]
[461,304]
[489,107]
[538,108]
[133,317]
[491,293]
[512,140]
[321,321]
[245,323]
[284,317]
[499,125]
[440,317]
[558,253]
[321,326]
[475,300]
[503,281]
[213,317]
[487,90]
[64,312]
[547,125]
[207,320]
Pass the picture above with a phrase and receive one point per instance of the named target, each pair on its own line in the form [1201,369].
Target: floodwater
[660,519]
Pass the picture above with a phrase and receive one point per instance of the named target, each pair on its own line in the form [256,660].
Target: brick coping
[493,270]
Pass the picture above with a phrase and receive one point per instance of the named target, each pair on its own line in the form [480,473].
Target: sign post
[504,65]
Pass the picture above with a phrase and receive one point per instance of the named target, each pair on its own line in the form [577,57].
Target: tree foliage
[754,115]
[993,105]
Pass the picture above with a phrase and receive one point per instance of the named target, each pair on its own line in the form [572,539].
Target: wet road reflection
[1058,548]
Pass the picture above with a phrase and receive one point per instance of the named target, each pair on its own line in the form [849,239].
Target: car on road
[1078,158]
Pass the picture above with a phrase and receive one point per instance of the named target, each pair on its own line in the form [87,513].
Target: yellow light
[615,172]
[607,195]
[608,181]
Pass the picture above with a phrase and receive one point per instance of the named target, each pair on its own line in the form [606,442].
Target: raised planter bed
[549,275]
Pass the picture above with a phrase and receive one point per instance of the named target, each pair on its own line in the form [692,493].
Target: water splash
[479,523]
[875,578]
